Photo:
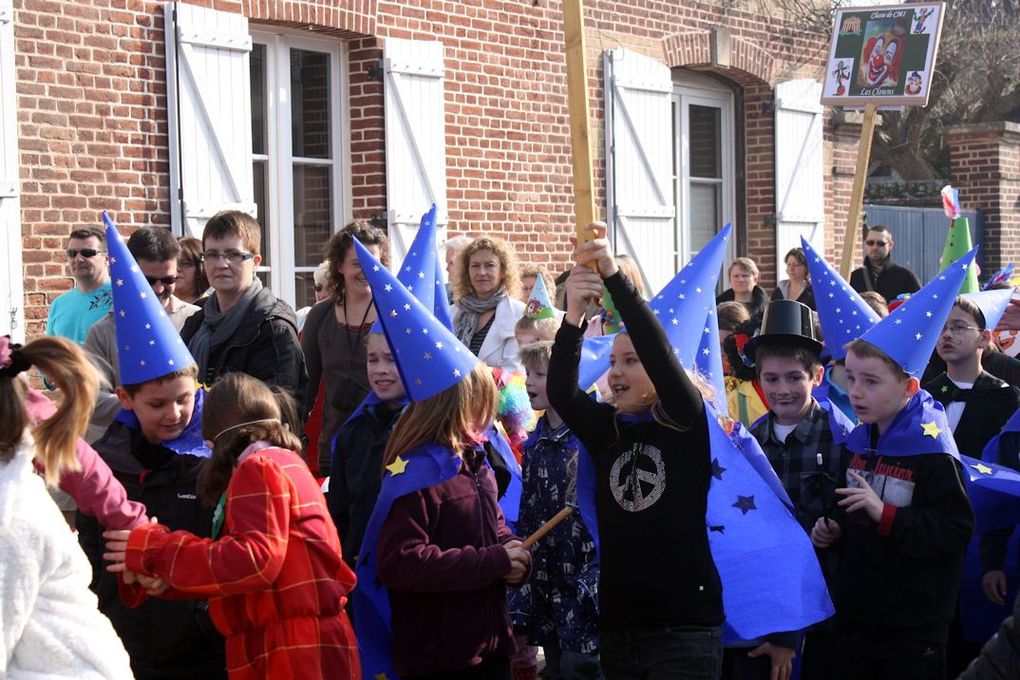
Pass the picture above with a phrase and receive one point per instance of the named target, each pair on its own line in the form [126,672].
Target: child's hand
[520,562]
[782,659]
[596,251]
[116,549]
[825,532]
[994,585]
[154,586]
[583,287]
[862,498]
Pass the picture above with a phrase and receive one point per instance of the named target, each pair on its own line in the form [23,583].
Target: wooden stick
[546,528]
[577,98]
[857,195]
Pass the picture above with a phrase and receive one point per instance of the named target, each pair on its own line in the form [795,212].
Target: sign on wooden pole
[879,56]
[577,97]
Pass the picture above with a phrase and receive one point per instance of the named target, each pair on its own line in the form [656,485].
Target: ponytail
[56,438]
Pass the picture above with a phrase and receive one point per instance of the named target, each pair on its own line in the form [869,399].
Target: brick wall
[93,121]
[985,165]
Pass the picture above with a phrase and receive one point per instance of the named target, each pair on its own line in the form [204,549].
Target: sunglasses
[165,280]
[876,243]
[85,252]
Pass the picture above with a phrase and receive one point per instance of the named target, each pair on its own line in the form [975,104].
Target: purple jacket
[441,557]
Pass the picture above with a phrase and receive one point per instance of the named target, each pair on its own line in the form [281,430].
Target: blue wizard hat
[992,303]
[843,314]
[148,345]
[685,301]
[909,334]
[709,361]
[429,356]
[421,272]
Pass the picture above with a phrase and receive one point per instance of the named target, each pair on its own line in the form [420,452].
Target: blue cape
[771,578]
[426,466]
[919,428]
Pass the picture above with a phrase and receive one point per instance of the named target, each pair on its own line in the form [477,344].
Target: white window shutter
[209,101]
[415,139]
[800,181]
[639,151]
[12,291]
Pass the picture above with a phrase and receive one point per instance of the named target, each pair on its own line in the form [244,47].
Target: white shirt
[954,409]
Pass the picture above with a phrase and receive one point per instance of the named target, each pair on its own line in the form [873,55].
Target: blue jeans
[689,652]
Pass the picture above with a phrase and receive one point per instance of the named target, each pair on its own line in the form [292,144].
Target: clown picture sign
[884,55]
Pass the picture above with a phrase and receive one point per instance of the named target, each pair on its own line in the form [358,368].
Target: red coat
[275,579]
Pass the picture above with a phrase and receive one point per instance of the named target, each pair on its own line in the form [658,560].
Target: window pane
[304,290]
[703,127]
[312,211]
[309,84]
[258,98]
[704,214]
[259,185]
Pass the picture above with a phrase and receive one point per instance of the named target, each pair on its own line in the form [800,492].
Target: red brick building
[314,112]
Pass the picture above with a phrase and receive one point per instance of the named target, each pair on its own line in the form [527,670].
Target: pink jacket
[94,488]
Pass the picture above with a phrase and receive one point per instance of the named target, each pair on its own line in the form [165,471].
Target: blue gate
[920,235]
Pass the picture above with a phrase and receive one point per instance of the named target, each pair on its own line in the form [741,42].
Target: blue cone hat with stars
[683,304]
[909,334]
[709,362]
[992,303]
[429,356]
[843,314]
[148,345]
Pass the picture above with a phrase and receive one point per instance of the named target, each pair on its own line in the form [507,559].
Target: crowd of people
[364,488]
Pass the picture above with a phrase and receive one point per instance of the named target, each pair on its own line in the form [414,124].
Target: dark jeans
[497,668]
[563,664]
[737,665]
[690,652]
[879,657]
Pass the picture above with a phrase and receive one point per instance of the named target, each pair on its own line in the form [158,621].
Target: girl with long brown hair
[273,571]
[50,620]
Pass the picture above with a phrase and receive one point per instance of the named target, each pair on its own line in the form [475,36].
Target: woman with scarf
[333,338]
[487,306]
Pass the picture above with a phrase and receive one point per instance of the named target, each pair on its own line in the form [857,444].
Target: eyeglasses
[233,257]
[958,328]
[85,252]
[165,280]
[188,264]
[876,243]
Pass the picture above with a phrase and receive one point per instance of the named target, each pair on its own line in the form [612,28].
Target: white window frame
[698,90]
[279,177]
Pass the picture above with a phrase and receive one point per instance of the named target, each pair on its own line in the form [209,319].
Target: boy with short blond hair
[559,616]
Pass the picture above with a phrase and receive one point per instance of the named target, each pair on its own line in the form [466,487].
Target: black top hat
[786,322]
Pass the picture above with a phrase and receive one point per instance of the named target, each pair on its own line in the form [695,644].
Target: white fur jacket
[50,624]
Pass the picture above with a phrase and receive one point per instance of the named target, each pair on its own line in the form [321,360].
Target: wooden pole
[577,97]
[546,528]
[857,195]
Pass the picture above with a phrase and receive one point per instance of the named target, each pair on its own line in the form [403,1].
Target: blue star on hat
[148,345]
[909,334]
[709,362]
[429,356]
[992,303]
[685,301]
[843,314]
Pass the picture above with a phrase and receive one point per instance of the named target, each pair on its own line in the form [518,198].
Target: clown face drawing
[881,67]
[913,86]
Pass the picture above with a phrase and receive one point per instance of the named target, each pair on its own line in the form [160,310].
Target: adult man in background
[73,313]
[156,251]
[879,272]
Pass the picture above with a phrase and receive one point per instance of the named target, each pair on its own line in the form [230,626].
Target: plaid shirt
[275,578]
[810,486]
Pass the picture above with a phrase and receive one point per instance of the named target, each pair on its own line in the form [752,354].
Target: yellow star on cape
[397,467]
[380,676]
[982,468]
[931,430]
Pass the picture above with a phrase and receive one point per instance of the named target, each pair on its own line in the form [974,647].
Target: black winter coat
[265,346]
[165,638]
